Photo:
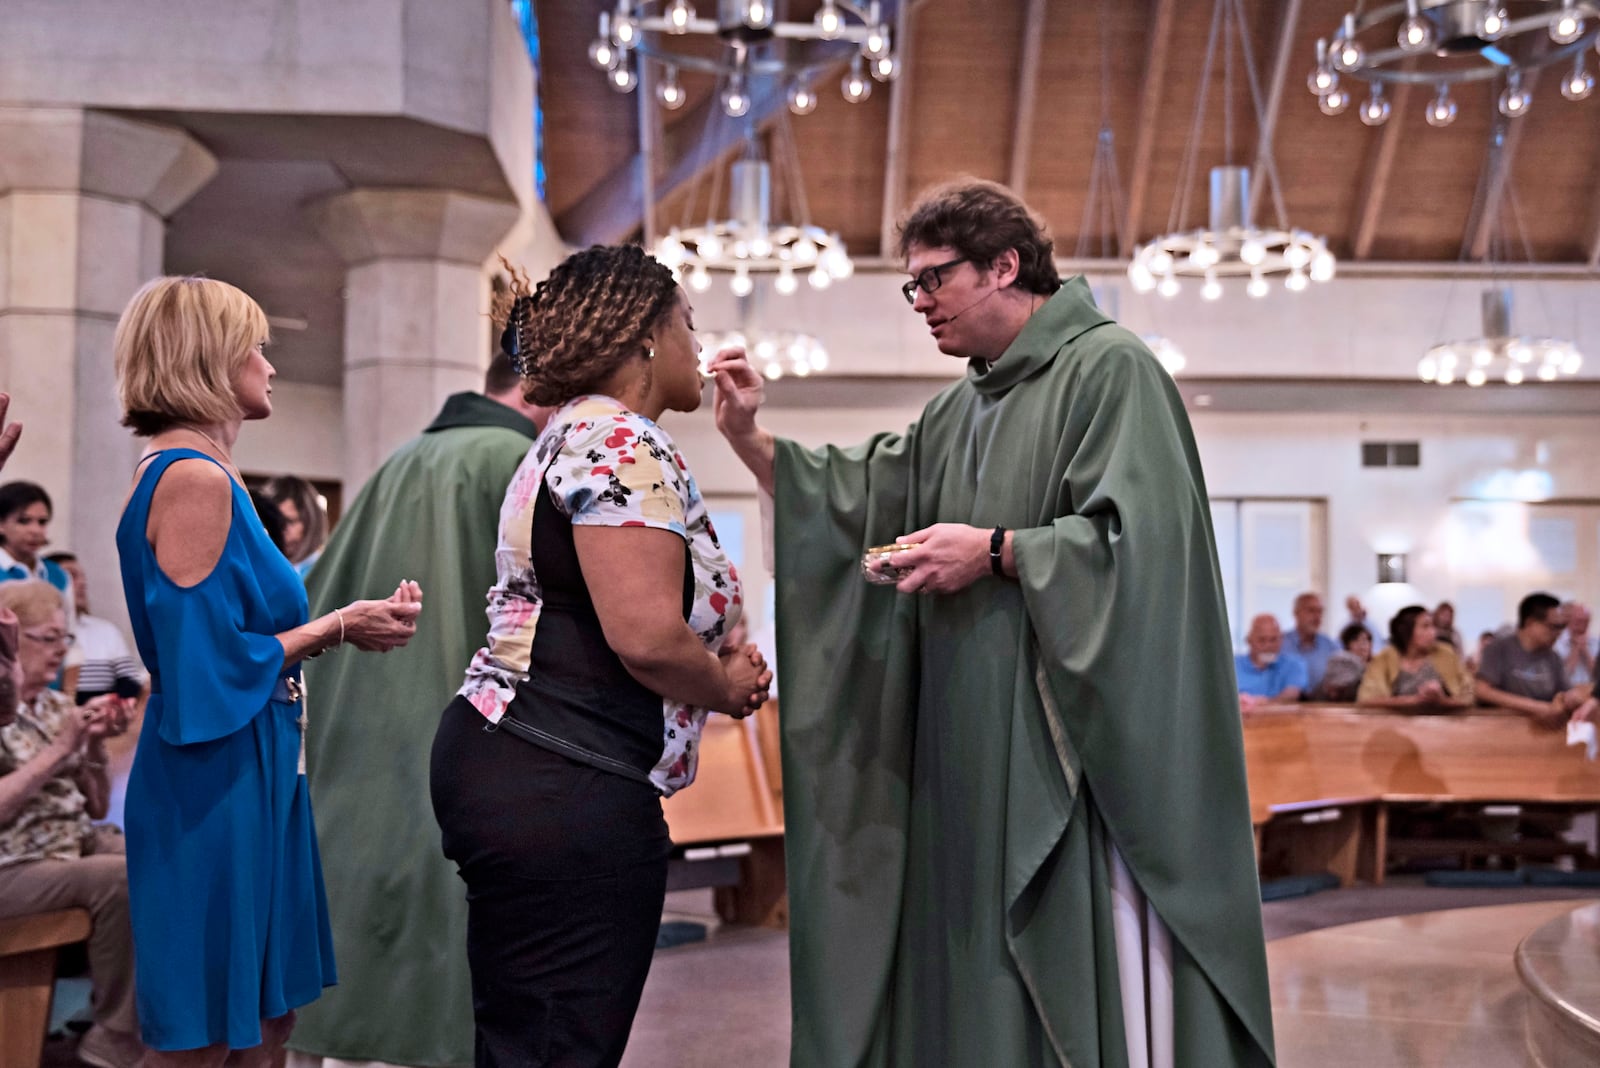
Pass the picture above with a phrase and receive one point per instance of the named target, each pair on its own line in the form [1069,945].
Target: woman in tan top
[1415,670]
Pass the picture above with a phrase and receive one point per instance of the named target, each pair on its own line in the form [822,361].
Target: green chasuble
[398,907]
[957,767]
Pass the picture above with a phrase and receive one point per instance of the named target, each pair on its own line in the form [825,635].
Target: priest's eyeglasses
[928,279]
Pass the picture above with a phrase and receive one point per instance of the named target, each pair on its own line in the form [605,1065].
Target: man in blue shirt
[1266,676]
[1307,642]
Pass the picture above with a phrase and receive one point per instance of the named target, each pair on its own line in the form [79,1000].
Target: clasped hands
[378,626]
[749,679]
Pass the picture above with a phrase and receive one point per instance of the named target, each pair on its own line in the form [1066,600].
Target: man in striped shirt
[107,664]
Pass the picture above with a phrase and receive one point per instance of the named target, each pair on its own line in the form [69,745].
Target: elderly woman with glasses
[53,783]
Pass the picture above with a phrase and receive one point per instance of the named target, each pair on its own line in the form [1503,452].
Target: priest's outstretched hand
[740,391]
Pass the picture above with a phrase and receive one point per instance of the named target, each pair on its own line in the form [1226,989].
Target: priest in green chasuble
[1015,806]
[430,513]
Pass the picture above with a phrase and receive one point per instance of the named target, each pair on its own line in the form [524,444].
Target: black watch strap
[997,541]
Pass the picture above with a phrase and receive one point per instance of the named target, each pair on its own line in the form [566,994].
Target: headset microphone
[974,304]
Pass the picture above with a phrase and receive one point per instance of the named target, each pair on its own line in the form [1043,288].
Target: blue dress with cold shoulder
[230,924]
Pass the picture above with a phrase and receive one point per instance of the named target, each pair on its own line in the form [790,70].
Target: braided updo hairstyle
[571,332]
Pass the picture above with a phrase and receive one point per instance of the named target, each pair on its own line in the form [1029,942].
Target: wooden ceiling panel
[1401,192]
[960,118]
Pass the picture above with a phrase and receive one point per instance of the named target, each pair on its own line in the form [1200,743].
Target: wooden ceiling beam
[1032,51]
[1375,180]
[1264,170]
[1155,68]
[613,209]
[899,136]
[1504,137]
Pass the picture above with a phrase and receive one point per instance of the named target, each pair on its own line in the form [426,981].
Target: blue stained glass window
[528,20]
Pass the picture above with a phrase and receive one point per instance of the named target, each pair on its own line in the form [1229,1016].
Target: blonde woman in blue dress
[230,924]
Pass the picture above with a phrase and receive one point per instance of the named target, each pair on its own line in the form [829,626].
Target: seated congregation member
[53,783]
[1576,647]
[1267,675]
[25,514]
[1307,641]
[1474,658]
[229,917]
[108,666]
[1444,622]
[1523,672]
[305,521]
[1415,670]
[1342,677]
[606,627]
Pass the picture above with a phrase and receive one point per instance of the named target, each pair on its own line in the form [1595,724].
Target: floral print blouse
[603,465]
[54,824]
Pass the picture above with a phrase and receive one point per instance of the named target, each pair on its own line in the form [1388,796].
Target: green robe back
[398,908]
[955,766]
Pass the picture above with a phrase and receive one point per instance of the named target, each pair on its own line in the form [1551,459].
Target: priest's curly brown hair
[572,331]
[980,220]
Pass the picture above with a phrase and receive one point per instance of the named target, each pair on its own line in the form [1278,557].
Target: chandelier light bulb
[855,86]
[1416,32]
[1513,376]
[819,277]
[679,15]
[741,284]
[819,359]
[758,14]
[828,21]
[1252,252]
[805,251]
[669,94]
[1334,103]
[1493,23]
[837,264]
[1322,267]
[1211,289]
[669,251]
[1548,372]
[1568,27]
[1258,287]
[1348,55]
[623,79]
[1519,354]
[699,279]
[625,31]
[802,101]
[735,101]
[786,283]
[1138,274]
[1375,112]
[760,246]
[1477,377]
[1482,357]
[1514,100]
[1427,369]
[1161,262]
[1572,363]
[1296,256]
[1169,286]
[885,68]
[1580,83]
[1204,256]
[711,248]
[1442,112]
[1322,81]
[602,55]
[1296,281]
[876,45]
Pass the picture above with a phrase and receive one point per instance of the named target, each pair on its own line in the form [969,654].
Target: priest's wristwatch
[997,541]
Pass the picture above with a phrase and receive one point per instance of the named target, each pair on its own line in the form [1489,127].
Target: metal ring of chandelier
[1513,360]
[785,251]
[1447,42]
[1234,253]
[774,353]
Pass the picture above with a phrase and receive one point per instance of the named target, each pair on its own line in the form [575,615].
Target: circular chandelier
[756,45]
[1448,42]
[1499,353]
[1230,247]
[747,244]
[774,353]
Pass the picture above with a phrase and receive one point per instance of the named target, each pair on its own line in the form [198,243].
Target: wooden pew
[1321,757]
[27,979]
[737,800]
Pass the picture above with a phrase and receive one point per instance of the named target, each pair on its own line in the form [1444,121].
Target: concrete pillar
[416,325]
[84,197]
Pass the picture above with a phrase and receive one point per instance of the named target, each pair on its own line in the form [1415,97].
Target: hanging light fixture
[1232,245]
[1449,42]
[775,353]
[756,45]
[1499,353]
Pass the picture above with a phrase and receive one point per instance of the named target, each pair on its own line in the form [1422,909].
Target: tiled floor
[1424,991]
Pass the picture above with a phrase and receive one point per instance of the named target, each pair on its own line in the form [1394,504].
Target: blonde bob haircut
[179,344]
[33,600]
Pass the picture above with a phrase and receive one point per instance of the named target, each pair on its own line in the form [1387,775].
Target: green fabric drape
[398,908]
[954,766]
